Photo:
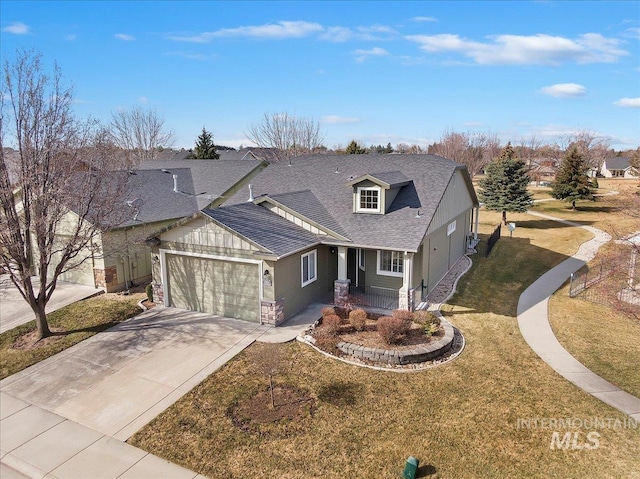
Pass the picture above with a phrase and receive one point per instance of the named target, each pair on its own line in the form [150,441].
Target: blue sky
[377,72]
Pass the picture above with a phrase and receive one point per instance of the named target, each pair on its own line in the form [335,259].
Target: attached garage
[213,286]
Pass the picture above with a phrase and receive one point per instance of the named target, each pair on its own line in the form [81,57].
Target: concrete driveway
[117,381]
[14,310]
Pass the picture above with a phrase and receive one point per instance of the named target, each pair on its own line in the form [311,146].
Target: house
[387,226]
[618,167]
[160,192]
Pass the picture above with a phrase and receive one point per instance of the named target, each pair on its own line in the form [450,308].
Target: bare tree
[140,133]
[290,135]
[594,148]
[474,150]
[62,195]
[269,360]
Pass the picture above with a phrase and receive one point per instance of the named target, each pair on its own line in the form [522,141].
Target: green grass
[460,419]
[80,321]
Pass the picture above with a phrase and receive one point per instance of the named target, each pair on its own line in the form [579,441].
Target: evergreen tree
[205,148]
[504,188]
[355,149]
[572,182]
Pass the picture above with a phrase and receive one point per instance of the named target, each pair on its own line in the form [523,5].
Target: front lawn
[77,321]
[464,419]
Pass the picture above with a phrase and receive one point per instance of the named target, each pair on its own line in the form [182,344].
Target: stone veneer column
[272,312]
[158,293]
[341,291]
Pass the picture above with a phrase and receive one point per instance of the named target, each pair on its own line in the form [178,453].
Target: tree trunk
[573,205]
[504,217]
[41,321]
[273,402]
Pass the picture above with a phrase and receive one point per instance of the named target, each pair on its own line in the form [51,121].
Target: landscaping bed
[401,339]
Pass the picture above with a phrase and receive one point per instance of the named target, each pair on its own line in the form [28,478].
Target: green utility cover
[411,468]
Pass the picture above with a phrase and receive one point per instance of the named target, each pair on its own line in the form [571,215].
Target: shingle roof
[390,179]
[199,183]
[617,163]
[306,204]
[264,228]
[398,229]
[211,177]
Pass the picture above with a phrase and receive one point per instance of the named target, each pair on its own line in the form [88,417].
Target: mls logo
[571,441]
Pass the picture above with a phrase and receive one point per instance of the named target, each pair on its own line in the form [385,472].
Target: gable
[456,199]
[204,232]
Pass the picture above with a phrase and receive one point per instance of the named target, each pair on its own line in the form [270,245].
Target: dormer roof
[387,179]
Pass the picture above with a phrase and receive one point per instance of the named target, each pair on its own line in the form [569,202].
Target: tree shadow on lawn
[340,393]
[495,283]
[547,224]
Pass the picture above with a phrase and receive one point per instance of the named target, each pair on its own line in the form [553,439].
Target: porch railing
[375,297]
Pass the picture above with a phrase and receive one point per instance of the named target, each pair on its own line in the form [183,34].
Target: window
[451,228]
[390,263]
[361,259]
[368,199]
[309,267]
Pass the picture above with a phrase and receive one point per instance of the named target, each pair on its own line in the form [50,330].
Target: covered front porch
[351,286]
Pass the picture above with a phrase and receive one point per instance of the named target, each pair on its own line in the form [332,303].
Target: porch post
[341,285]
[406,295]
[475,231]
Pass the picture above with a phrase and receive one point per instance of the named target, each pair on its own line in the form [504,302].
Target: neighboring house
[373,226]
[618,167]
[161,192]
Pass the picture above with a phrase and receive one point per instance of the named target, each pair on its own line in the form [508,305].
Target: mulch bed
[249,413]
[370,337]
[27,342]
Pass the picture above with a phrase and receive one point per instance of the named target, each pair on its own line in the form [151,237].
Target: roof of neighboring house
[266,154]
[149,195]
[617,163]
[264,228]
[213,178]
[318,188]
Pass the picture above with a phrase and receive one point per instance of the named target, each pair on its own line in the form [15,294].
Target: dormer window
[368,199]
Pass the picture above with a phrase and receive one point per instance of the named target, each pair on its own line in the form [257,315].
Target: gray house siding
[287,279]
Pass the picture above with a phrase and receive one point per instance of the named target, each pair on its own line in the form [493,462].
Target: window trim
[383,272]
[451,228]
[361,259]
[378,190]
[313,278]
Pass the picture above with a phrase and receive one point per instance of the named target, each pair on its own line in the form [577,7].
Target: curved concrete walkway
[533,321]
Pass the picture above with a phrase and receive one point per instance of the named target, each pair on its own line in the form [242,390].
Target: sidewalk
[533,321]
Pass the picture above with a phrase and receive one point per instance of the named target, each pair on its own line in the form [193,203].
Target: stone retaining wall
[419,354]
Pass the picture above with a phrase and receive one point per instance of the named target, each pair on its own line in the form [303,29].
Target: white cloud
[633,32]
[537,49]
[17,28]
[362,55]
[339,120]
[337,34]
[143,99]
[278,30]
[124,36]
[424,19]
[564,90]
[628,102]
[201,57]
[71,37]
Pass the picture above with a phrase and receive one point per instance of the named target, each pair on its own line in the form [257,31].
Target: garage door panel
[217,287]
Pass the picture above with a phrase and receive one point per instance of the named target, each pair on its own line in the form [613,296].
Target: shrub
[391,329]
[358,319]
[149,291]
[425,318]
[331,324]
[403,314]
[326,340]
[430,329]
[327,311]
